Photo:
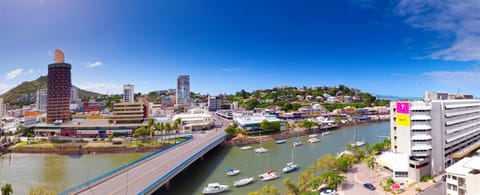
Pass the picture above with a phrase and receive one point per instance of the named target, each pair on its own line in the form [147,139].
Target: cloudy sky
[400,48]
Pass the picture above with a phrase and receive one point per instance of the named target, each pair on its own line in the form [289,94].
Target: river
[59,172]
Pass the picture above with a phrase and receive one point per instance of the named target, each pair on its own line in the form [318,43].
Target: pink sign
[403,107]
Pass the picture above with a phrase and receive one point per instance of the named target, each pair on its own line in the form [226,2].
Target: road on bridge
[136,178]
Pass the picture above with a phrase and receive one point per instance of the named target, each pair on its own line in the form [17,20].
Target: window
[454,188]
[401,174]
[454,177]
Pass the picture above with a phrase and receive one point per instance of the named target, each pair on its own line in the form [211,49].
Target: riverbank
[80,150]
[247,140]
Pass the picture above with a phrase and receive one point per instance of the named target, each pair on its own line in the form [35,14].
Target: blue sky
[400,48]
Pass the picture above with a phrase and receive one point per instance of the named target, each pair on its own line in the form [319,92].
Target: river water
[59,172]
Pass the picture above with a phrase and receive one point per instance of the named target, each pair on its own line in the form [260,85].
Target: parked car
[369,186]
[328,192]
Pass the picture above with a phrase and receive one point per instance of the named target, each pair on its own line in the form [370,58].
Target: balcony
[421,137]
[421,127]
[462,112]
[420,118]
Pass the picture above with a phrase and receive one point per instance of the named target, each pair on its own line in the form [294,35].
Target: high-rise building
[128,113]
[214,103]
[128,94]
[434,133]
[74,94]
[41,100]
[183,89]
[59,89]
[3,110]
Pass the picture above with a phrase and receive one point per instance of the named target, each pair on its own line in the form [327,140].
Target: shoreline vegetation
[69,147]
[243,140]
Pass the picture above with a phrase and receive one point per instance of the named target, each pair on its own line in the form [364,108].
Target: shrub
[427,178]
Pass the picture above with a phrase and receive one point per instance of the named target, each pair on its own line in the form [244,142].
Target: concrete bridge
[148,174]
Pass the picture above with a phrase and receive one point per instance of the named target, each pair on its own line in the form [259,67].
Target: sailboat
[232,172]
[244,181]
[356,143]
[298,142]
[291,166]
[261,149]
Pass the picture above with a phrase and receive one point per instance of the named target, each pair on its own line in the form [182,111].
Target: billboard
[403,120]
[403,107]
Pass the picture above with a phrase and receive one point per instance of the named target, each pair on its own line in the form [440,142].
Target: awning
[422,137]
[421,147]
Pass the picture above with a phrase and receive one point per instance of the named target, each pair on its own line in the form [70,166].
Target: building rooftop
[465,166]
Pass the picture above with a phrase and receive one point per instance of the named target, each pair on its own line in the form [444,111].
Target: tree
[292,188]
[265,125]
[308,124]
[230,130]
[7,189]
[39,190]
[332,179]
[371,162]
[141,132]
[327,163]
[266,190]
[304,180]
[346,161]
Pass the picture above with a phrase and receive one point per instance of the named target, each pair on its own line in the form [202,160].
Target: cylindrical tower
[59,88]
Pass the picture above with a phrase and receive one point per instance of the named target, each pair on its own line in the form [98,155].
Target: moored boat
[232,172]
[243,182]
[261,150]
[313,140]
[313,135]
[290,167]
[215,188]
[282,141]
[269,175]
[297,143]
[245,147]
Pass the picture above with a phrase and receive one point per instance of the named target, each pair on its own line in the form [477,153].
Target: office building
[464,177]
[434,133]
[41,100]
[59,89]
[214,103]
[183,89]
[128,93]
[128,113]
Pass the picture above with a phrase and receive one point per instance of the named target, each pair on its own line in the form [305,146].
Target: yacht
[215,188]
[326,133]
[313,135]
[261,150]
[269,175]
[290,167]
[358,144]
[282,141]
[313,140]
[245,147]
[297,143]
[232,172]
[243,182]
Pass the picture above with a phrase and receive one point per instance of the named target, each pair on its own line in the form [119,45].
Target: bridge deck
[146,174]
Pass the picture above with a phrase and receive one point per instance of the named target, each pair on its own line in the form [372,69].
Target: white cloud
[13,74]
[4,88]
[29,71]
[466,79]
[458,18]
[94,64]
[104,88]
[232,70]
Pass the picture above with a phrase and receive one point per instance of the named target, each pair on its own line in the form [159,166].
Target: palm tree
[332,179]
[7,189]
[150,127]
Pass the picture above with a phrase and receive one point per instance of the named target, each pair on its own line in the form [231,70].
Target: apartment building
[464,177]
[435,133]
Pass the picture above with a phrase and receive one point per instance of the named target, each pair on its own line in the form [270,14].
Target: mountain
[31,87]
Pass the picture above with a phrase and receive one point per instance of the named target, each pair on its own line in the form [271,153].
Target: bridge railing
[118,170]
[168,174]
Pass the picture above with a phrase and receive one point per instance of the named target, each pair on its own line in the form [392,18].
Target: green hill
[29,87]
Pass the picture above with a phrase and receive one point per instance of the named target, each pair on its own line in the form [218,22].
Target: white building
[196,119]
[464,177]
[41,100]
[434,133]
[214,103]
[128,93]
[183,89]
